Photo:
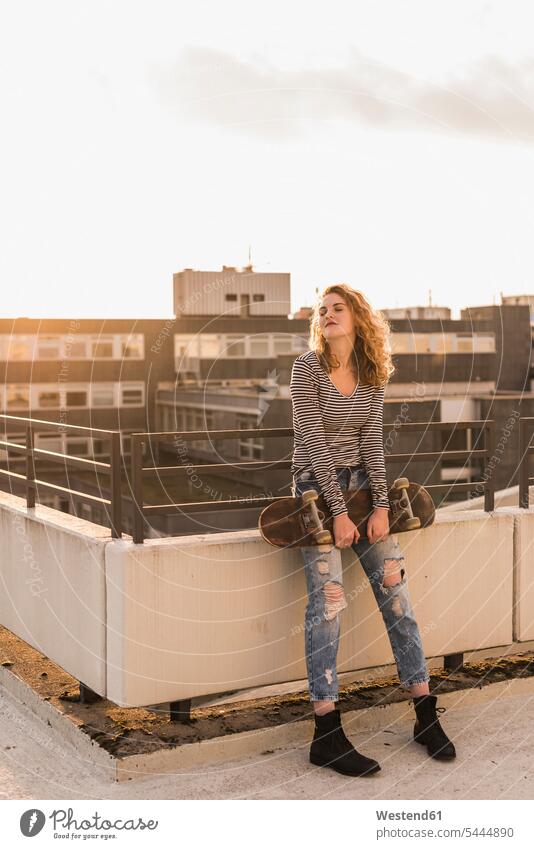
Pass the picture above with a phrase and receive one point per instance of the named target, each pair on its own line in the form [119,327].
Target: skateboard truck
[402,508]
[312,518]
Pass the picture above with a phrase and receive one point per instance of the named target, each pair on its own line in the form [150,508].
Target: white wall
[523,573]
[203,614]
[198,615]
[53,589]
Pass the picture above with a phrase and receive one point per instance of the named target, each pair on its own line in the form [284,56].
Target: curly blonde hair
[371,355]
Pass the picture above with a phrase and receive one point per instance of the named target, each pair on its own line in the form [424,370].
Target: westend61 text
[408,815]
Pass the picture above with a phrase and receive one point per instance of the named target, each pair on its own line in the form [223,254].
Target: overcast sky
[386,144]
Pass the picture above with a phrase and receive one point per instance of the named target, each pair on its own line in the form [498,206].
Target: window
[48,398]
[250,448]
[442,343]
[49,442]
[132,395]
[258,297]
[186,345]
[484,343]
[101,447]
[282,343]
[259,345]
[168,419]
[230,296]
[421,343]
[102,348]
[76,398]
[9,456]
[464,343]
[126,443]
[402,343]
[21,347]
[17,396]
[209,346]
[235,345]
[200,419]
[76,349]
[103,395]
[77,446]
[48,347]
[132,347]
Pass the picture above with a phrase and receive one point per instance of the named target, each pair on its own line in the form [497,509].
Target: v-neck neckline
[334,385]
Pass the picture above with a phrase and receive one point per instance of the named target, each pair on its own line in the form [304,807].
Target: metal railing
[33,485]
[526,427]
[139,473]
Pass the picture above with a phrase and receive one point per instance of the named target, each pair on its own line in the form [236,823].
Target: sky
[389,145]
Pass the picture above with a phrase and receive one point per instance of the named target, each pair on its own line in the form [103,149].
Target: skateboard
[304,520]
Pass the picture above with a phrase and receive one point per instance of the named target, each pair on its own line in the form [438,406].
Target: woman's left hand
[378,524]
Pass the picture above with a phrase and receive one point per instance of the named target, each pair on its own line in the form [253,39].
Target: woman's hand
[378,524]
[345,531]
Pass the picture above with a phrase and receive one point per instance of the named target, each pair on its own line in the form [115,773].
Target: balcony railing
[34,485]
[141,442]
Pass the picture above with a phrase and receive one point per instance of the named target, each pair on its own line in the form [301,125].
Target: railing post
[180,711]
[116,494]
[453,662]
[489,484]
[524,463]
[137,488]
[30,468]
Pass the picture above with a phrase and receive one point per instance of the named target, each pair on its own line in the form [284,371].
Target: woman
[337,389]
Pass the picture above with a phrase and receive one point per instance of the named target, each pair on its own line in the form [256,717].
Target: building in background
[525,300]
[225,363]
[417,312]
[231,292]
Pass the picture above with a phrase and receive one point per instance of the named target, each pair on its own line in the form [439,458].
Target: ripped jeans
[326,600]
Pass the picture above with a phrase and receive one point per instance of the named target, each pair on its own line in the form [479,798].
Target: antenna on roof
[430,297]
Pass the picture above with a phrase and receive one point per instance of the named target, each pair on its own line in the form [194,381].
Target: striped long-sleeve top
[333,430]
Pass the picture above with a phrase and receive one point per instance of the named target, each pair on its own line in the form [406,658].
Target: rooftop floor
[490,717]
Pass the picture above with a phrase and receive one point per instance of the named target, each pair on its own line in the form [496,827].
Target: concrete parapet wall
[523,573]
[206,614]
[460,578]
[53,588]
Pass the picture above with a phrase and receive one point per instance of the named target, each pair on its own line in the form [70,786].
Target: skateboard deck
[304,520]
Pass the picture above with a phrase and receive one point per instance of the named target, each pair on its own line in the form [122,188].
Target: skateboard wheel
[412,524]
[309,495]
[401,483]
[322,537]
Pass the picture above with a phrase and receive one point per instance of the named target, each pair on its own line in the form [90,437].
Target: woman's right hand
[345,531]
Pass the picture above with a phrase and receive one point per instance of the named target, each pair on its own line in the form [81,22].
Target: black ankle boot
[428,731]
[331,748]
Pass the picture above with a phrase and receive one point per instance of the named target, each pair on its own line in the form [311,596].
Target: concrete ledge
[523,572]
[190,617]
[193,616]
[53,590]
